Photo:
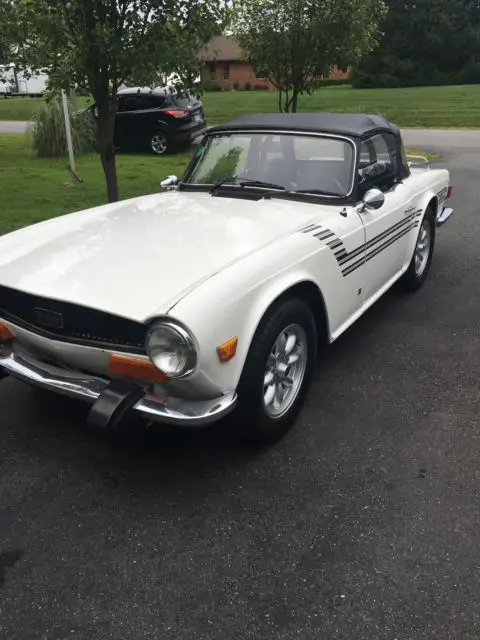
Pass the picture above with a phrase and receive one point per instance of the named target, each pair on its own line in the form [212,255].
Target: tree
[96,45]
[293,42]
[424,42]
[182,58]
[6,37]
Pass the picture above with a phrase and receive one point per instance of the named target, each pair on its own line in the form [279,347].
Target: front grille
[69,322]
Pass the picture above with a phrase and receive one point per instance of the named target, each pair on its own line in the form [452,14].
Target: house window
[226,71]
[211,69]
[260,74]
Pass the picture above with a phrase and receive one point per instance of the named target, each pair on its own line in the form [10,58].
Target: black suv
[157,119]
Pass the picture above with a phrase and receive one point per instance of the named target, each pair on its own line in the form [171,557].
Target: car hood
[138,257]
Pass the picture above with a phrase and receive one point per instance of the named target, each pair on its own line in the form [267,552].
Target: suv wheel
[159,144]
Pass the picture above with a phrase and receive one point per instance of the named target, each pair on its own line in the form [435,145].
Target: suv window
[138,102]
[378,162]
[181,102]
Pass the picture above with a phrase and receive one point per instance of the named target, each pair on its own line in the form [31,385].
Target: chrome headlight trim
[177,331]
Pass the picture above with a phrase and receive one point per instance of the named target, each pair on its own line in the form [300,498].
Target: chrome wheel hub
[422,250]
[159,143]
[285,370]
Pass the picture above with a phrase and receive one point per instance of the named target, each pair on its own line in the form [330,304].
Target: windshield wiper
[246,182]
[220,183]
[260,183]
[319,192]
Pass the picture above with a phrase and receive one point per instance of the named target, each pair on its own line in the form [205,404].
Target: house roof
[221,48]
[351,124]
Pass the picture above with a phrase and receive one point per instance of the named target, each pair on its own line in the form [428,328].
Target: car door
[326,163]
[121,120]
[387,228]
[131,122]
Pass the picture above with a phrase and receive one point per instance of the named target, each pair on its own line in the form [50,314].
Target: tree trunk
[294,101]
[105,132]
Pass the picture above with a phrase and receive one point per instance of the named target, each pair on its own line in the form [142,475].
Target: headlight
[172,349]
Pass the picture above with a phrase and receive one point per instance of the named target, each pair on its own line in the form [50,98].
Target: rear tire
[159,144]
[277,373]
[420,263]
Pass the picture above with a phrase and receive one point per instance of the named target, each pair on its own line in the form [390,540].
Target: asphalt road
[362,524]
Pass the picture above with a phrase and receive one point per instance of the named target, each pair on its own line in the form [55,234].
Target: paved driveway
[362,524]
[458,139]
[12,126]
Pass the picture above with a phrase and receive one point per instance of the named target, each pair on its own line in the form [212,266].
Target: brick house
[222,63]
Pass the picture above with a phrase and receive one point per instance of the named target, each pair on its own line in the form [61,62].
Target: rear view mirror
[374,199]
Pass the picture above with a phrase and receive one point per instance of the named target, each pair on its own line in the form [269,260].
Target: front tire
[277,373]
[420,263]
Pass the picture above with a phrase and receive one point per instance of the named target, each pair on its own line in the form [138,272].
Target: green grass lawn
[430,107]
[34,189]
[435,107]
[24,108]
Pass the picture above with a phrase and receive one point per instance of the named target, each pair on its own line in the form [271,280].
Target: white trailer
[24,83]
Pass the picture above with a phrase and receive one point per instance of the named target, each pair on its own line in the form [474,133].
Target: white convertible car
[213,297]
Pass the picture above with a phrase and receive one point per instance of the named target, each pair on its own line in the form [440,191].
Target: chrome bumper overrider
[77,385]
[444,215]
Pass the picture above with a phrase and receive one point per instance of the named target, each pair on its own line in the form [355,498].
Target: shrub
[47,130]
[210,87]
[331,82]
[248,85]
[236,85]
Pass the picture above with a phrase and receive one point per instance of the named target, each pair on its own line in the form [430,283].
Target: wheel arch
[429,201]
[302,287]
[310,292]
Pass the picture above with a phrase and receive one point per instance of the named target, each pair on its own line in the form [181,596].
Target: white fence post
[68,132]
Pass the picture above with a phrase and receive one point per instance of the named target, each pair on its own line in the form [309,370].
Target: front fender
[266,296]
[233,303]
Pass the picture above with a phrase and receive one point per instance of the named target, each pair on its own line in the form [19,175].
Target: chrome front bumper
[77,385]
[444,215]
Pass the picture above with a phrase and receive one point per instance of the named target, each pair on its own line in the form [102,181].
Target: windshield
[293,162]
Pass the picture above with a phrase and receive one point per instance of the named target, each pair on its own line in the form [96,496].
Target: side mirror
[374,199]
[169,183]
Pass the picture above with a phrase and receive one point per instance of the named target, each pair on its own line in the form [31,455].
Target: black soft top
[355,125]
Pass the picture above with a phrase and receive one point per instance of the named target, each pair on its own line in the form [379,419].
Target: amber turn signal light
[5,333]
[135,368]
[228,349]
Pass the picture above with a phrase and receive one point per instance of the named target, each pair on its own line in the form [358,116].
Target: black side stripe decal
[368,250]
[376,251]
[442,195]
[378,238]
[323,235]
